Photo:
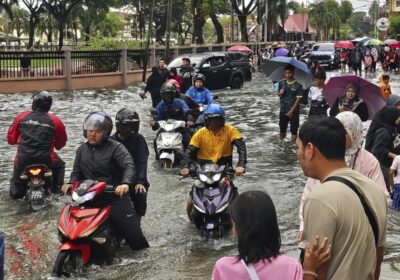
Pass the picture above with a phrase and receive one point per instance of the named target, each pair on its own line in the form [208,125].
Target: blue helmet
[214,110]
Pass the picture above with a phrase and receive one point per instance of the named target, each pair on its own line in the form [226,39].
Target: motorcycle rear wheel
[67,263]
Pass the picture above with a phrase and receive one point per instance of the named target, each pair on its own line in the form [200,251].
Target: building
[296,28]
[393,7]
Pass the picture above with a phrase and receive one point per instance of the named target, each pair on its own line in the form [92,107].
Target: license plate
[36,195]
[210,226]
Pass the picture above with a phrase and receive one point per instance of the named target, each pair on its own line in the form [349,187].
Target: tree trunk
[31,32]
[200,21]
[218,28]
[61,26]
[87,33]
[243,27]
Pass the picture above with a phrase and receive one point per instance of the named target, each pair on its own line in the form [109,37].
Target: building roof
[297,23]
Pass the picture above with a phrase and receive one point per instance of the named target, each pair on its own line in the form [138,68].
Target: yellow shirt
[215,146]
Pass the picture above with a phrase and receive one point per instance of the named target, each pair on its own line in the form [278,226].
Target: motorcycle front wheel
[165,163]
[67,263]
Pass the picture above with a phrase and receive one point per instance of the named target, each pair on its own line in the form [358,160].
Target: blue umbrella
[281,52]
[274,69]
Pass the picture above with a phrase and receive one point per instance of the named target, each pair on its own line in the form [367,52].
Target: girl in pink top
[255,226]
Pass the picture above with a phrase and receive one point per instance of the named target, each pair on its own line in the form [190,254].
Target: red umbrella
[369,92]
[394,45]
[344,45]
[239,48]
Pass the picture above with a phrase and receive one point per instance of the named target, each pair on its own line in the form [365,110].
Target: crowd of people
[344,207]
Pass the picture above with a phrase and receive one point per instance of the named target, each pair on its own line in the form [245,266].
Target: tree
[317,16]
[213,8]
[111,25]
[35,8]
[243,9]
[294,6]
[6,5]
[356,23]
[345,10]
[394,29]
[276,8]
[20,21]
[46,25]
[61,9]
[90,17]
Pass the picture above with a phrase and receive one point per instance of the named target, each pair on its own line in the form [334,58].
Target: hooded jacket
[381,134]
[200,96]
[109,162]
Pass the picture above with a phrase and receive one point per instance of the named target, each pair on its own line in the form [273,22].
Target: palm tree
[318,17]
[276,8]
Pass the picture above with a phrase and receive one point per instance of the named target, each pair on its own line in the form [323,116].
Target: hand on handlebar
[122,189]
[66,187]
[239,170]
[153,122]
[139,188]
[190,123]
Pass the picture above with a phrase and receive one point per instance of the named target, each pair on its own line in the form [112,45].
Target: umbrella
[368,91]
[389,41]
[344,45]
[273,68]
[281,52]
[394,45]
[239,48]
[372,42]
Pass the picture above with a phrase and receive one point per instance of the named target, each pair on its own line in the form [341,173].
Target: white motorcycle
[169,142]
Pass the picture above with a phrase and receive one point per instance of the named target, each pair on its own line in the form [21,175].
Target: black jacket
[154,84]
[110,162]
[137,147]
[187,76]
[361,110]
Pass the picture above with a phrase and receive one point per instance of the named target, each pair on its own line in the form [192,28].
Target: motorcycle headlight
[216,177]
[203,178]
[81,199]
[100,240]
[222,208]
[332,56]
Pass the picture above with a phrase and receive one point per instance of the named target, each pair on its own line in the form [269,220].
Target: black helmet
[199,77]
[99,120]
[168,92]
[127,121]
[42,102]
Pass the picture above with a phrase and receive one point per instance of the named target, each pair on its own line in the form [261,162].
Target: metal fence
[92,62]
[135,59]
[31,64]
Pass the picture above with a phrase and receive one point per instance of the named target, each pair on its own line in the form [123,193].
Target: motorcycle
[213,192]
[38,178]
[169,142]
[84,229]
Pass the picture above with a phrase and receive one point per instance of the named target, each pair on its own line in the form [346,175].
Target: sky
[358,5]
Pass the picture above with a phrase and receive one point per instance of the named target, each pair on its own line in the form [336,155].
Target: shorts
[396,198]
[285,120]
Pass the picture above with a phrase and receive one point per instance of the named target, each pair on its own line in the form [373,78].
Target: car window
[218,61]
[324,47]
[194,61]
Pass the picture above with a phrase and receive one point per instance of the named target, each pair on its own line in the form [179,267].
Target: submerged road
[177,249]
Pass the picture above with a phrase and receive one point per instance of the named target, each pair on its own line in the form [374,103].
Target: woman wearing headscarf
[356,158]
[350,101]
[154,83]
[382,138]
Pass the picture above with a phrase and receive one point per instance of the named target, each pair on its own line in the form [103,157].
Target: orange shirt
[385,90]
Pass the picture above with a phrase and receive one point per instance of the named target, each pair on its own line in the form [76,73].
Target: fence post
[152,60]
[176,51]
[123,65]
[68,68]
[194,49]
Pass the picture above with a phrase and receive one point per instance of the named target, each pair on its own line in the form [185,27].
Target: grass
[35,63]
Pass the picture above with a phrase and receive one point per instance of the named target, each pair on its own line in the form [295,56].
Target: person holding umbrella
[350,101]
[290,93]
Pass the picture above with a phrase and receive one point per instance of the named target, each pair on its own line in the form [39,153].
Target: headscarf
[353,103]
[354,128]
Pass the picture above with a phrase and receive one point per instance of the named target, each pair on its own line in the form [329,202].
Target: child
[318,104]
[385,86]
[290,93]
[395,183]
[368,63]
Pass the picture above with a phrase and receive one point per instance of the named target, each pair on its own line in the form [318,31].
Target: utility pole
[168,33]
[376,18]
[266,22]
[302,21]
[149,35]
[232,23]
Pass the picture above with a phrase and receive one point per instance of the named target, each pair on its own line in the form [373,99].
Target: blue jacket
[200,96]
[177,110]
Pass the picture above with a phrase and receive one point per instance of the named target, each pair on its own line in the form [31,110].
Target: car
[222,69]
[325,54]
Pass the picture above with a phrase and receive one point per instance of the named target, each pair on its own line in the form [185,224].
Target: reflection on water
[177,250]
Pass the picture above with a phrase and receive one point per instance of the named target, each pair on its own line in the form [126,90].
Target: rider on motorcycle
[214,144]
[198,92]
[106,160]
[37,133]
[127,123]
[172,108]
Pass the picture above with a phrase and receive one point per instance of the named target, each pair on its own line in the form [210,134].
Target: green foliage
[394,29]
[112,43]
[111,25]
[345,11]
[344,31]
[356,23]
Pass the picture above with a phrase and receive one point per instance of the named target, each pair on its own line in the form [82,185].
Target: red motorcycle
[84,228]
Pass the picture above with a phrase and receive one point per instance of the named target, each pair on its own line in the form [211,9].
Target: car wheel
[237,82]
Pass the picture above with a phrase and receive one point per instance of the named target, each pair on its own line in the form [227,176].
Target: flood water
[177,249]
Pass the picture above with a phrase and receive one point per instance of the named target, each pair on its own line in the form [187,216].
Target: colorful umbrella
[344,45]
[373,42]
[394,45]
[281,52]
[389,41]
[239,48]
[368,91]
[274,69]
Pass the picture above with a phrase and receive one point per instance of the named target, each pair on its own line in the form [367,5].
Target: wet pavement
[177,249]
